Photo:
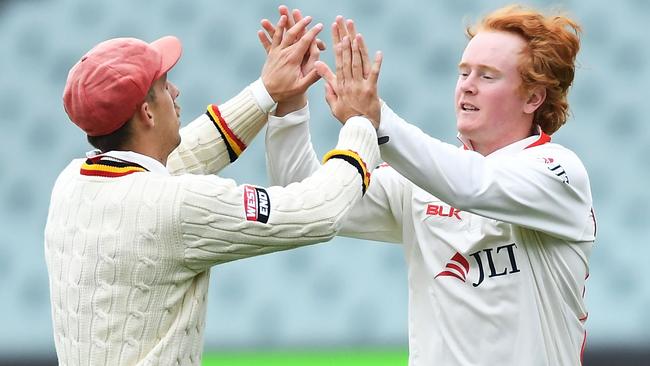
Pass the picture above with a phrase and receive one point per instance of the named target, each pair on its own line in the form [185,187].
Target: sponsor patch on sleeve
[257,205]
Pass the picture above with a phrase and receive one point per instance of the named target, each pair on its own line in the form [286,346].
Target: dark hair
[119,138]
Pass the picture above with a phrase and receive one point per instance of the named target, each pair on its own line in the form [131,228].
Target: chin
[466,126]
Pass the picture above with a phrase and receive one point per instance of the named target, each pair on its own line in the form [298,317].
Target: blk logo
[443,211]
[459,267]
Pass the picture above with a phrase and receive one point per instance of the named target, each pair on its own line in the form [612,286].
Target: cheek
[503,102]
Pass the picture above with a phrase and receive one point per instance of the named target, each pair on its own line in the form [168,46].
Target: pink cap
[107,85]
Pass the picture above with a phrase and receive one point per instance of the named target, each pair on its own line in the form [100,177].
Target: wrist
[269,88]
[290,105]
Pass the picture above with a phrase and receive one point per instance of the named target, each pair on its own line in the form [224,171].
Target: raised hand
[307,65]
[352,91]
[296,16]
[282,73]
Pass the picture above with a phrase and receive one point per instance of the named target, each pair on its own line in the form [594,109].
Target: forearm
[290,155]
[252,221]
[219,137]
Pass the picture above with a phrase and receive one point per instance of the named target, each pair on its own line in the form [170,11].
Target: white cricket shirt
[497,247]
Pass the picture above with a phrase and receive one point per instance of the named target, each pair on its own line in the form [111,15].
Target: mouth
[467,107]
[177,108]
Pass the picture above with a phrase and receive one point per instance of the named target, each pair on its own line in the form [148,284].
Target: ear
[145,114]
[536,97]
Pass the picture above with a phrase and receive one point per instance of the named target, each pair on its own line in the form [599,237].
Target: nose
[467,84]
[173,90]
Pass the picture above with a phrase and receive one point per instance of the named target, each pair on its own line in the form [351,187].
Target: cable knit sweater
[129,247]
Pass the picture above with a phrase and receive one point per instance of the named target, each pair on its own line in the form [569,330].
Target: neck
[154,152]
[486,147]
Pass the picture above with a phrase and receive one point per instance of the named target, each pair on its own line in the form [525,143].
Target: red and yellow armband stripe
[355,160]
[234,145]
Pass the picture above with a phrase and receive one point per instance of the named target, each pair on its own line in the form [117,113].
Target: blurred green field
[394,357]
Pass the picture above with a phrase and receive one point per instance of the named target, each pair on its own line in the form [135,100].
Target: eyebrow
[481,67]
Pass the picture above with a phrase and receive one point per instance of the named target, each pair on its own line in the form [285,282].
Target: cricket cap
[108,84]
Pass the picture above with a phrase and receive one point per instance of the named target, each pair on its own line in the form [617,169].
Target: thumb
[308,80]
[330,96]
[324,71]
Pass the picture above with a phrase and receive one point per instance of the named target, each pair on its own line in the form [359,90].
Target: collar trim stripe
[543,138]
[233,144]
[104,167]
[355,160]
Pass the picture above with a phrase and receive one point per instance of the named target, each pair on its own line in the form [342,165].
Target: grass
[396,357]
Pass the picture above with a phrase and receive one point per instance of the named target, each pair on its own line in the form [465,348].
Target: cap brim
[170,48]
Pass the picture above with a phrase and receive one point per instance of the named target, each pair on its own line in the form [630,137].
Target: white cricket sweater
[129,247]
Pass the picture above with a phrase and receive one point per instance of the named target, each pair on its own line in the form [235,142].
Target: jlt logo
[459,267]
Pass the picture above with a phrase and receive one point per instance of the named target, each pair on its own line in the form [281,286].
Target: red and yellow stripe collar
[107,166]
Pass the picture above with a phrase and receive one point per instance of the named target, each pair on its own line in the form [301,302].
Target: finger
[294,32]
[340,23]
[296,15]
[314,51]
[347,59]
[363,51]
[303,44]
[321,45]
[336,35]
[351,29]
[376,67]
[338,50]
[279,29]
[326,73]
[312,56]
[283,10]
[357,68]
[266,43]
[308,80]
[268,27]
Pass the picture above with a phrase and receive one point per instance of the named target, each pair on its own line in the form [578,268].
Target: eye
[463,74]
[488,77]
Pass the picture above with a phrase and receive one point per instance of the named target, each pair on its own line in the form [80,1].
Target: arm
[290,158]
[218,137]
[520,189]
[523,189]
[221,222]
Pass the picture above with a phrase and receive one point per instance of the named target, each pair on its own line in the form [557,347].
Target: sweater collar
[146,162]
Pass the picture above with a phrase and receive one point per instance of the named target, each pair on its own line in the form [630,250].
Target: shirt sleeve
[290,157]
[525,188]
[219,136]
[221,221]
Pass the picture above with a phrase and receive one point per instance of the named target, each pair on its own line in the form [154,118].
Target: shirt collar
[539,138]
[145,161]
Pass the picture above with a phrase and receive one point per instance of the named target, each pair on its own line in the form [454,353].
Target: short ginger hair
[548,60]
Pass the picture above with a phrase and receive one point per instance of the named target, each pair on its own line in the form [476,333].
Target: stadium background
[346,298]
